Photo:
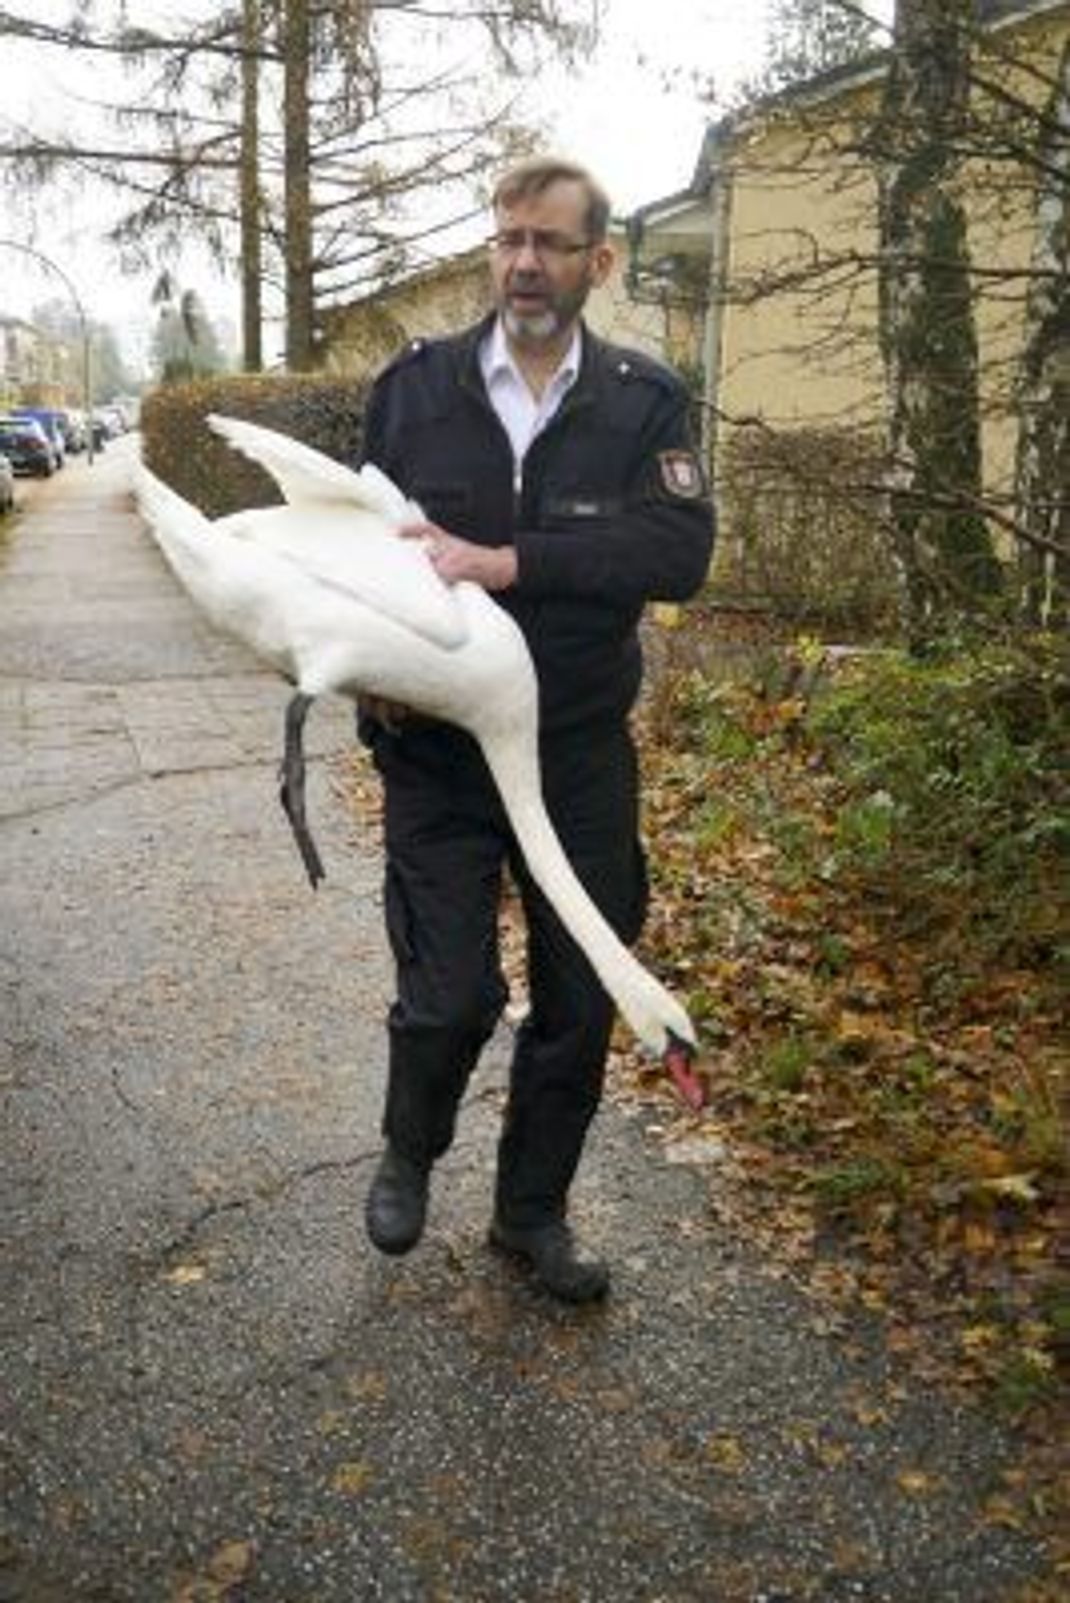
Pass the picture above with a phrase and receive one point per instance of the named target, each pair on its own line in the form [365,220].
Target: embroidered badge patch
[681,475]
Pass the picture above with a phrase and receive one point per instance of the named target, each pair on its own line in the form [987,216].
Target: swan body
[326,591]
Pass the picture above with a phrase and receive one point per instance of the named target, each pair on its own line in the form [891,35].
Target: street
[213,1387]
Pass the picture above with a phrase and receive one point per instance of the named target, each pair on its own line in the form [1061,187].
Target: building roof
[822,85]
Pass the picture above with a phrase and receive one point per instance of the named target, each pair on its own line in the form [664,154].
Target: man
[557,472]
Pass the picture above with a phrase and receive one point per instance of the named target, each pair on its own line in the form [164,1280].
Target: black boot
[551,1253]
[396,1208]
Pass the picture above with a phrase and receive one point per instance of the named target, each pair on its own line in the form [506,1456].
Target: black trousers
[447,843]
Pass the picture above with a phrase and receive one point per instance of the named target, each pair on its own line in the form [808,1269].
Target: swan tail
[307,477]
[654,1014]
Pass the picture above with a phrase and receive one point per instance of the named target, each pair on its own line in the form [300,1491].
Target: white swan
[325,590]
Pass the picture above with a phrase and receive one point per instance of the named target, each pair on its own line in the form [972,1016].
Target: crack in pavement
[150,776]
[155,776]
[269,1192]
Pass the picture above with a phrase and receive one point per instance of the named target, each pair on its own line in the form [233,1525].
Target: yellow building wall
[360,338]
[799,321]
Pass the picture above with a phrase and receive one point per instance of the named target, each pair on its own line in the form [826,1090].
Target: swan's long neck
[643,1001]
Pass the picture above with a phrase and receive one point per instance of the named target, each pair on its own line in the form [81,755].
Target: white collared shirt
[521,414]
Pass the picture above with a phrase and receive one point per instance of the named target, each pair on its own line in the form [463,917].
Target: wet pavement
[213,1388]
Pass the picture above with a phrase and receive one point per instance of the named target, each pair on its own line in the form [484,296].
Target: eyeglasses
[545,243]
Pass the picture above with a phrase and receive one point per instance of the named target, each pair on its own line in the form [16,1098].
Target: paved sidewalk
[212,1387]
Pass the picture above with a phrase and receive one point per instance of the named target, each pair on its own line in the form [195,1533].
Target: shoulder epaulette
[401,358]
[627,366]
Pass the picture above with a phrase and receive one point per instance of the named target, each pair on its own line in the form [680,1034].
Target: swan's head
[665,1029]
[655,1015]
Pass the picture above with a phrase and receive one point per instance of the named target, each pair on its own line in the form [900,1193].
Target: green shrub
[180,448]
[801,532]
[785,1061]
[955,780]
[839,1187]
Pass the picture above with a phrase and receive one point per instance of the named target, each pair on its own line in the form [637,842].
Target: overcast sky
[634,116]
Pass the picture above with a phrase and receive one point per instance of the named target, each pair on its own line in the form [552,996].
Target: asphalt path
[213,1388]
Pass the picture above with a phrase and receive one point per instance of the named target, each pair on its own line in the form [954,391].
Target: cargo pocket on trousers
[399,920]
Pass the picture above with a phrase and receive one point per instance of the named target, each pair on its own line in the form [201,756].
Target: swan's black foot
[292,792]
[305,844]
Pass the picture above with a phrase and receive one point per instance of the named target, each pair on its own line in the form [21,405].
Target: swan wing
[308,478]
[358,554]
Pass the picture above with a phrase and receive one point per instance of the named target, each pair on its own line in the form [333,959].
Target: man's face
[543,265]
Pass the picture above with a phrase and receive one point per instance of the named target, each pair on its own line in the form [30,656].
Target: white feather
[307,477]
[321,600]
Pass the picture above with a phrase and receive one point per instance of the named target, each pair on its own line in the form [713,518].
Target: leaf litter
[891,1143]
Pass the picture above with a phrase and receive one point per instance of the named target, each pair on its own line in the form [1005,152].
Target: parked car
[49,418]
[71,428]
[76,428]
[7,484]
[128,409]
[112,418]
[27,446]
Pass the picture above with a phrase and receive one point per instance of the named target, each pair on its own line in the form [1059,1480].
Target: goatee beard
[530,330]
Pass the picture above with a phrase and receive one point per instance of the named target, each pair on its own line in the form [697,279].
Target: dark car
[7,485]
[50,419]
[25,444]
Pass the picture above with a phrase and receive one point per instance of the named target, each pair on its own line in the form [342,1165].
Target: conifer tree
[322,144]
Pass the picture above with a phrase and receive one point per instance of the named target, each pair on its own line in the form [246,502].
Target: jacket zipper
[479,396]
[572,402]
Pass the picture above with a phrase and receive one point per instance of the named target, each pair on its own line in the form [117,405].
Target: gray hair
[535,175]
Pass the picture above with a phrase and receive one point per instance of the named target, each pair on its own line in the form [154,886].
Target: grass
[865,911]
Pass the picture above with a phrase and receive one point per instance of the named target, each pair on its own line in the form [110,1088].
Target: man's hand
[453,559]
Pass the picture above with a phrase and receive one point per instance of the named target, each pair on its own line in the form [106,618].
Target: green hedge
[181,449]
[803,534]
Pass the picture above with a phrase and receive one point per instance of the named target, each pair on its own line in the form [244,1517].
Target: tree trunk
[297,52]
[251,240]
[1042,470]
[943,551]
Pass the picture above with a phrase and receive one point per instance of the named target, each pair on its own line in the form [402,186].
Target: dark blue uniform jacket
[611,510]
